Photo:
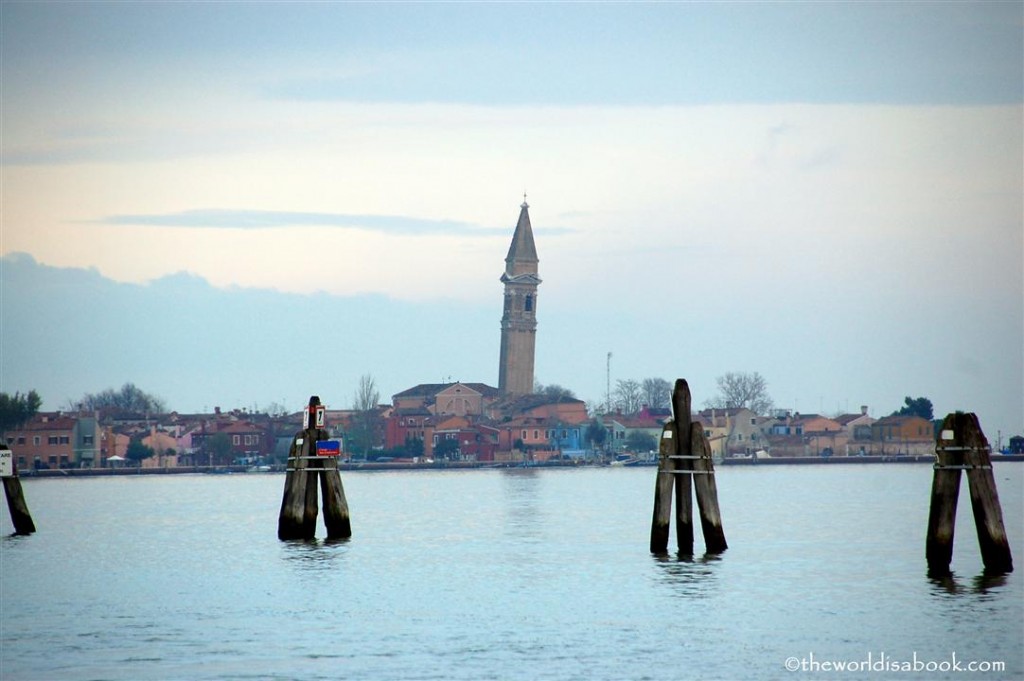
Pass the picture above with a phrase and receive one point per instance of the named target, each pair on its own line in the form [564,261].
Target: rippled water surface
[500,574]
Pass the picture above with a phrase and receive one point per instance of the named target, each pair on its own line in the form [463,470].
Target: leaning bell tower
[519,320]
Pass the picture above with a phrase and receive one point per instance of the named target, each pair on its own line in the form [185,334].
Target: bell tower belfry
[519,320]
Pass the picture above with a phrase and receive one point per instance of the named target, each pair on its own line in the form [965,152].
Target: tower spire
[519,321]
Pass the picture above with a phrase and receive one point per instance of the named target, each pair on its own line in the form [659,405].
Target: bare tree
[366,421]
[628,396]
[741,389]
[367,397]
[552,390]
[128,398]
[657,392]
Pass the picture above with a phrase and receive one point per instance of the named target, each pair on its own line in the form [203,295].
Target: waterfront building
[56,440]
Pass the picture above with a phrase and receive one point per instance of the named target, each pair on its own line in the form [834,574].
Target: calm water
[499,574]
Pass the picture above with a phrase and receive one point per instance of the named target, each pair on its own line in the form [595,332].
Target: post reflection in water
[314,555]
[947,585]
[691,577]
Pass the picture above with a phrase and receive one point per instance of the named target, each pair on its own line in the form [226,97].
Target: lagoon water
[503,574]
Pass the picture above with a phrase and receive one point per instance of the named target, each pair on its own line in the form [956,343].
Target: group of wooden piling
[962,447]
[305,473]
[684,463]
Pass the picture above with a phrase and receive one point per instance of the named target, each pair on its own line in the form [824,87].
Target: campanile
[519,320]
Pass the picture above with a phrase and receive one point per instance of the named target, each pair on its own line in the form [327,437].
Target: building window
[64,440]
[528,303]
[87,440]
[52,440]
[235,440]
[536,435]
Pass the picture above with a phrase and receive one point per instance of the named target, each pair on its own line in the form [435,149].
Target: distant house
[642,423]
[460,438]
[456,399]
[165,449]
[858,431]
[903,435]
[732,432]
[566,437]
[409,423]
[560,408]
[56,440]
[249,442]
[114,447]
[615,439]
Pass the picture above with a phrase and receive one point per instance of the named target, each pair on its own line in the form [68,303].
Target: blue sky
[823,183]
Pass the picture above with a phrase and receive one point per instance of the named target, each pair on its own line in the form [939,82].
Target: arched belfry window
[528,303]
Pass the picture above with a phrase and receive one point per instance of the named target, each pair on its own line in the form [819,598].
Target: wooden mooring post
[312,462]
[684,464]
[20,516]
[962,446]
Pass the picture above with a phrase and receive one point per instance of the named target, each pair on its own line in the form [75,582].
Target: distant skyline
[828,194]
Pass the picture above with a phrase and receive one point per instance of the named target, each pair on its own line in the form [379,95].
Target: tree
[18,409]
[639,441]
[628,396]
[742,390]
[553,391]
[413,446]
[365,420]
[596,434]
[446,449]
[920,406]
[218,449]
[275,410]
[657,392]
[129,398]
[138,451]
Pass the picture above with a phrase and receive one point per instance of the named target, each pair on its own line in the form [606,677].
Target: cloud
[265,219]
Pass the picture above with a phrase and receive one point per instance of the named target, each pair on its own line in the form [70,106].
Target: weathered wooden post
[707,491]
[962,446]
[663,486]
[20,516]
[307,461]
[336,517]
[685,454]
[683,467]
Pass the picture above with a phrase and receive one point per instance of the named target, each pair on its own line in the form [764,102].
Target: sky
[829,194]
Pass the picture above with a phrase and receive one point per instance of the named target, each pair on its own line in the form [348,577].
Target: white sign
[305,419]
[6,463]
[321,416]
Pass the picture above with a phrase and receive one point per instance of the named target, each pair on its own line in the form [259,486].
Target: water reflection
[984,584]
[689,576]
[521,494]
[314,555]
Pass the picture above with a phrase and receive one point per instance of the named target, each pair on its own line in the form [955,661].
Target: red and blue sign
[328,448]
